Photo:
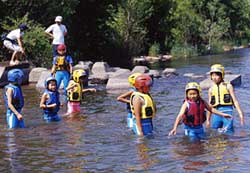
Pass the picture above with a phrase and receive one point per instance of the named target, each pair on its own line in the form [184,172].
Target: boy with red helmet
[62,67]
[142,106]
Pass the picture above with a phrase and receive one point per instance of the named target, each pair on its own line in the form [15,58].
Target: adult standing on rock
[57,31]
[13,41]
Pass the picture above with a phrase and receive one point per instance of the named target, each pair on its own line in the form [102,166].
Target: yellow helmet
[218,68]
[131,79]
[77,74]
[193,85]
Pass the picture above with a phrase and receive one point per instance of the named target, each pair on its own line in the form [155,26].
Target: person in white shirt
[13,42]
[57,31]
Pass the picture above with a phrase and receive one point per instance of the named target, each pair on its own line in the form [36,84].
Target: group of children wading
[194,112]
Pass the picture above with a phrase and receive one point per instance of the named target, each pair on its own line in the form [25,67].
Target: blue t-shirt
[68,59]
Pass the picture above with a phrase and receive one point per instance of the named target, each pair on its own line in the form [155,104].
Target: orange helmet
[143,83]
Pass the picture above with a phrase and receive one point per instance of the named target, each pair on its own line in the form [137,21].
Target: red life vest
[195,114]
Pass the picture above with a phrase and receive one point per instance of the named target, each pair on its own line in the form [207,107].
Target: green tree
[215,23]
[128,25]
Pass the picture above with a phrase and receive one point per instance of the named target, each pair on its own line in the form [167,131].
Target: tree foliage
[115,31]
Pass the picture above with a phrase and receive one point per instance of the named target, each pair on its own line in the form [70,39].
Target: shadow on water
[99,141]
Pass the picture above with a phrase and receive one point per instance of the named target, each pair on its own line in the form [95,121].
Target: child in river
[125,98]
[50,100]
[192,113]
[14,100]
[75,90]
[222,97]
[142,106]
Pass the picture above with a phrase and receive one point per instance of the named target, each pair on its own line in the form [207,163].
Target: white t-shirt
[15,34]
[58,33]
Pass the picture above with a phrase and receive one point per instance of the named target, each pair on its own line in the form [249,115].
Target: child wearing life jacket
[142,106]
[50,102]
[75,90]
[192,113]
[222,97]
[125,98]
[14,100]
[62,67]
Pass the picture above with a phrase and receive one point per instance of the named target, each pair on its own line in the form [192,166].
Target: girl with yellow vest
[75,90]
[125,98]
[222,97]
[142,106]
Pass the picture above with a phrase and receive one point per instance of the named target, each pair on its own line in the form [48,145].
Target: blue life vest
[17,97]
[53,98]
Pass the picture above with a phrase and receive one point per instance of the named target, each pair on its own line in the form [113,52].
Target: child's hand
[53,105]
[92,90]
[19,116]
[242,121]
[207,124]
[172,132]
[228,116]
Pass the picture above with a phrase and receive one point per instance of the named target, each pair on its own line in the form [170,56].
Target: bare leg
[13,58]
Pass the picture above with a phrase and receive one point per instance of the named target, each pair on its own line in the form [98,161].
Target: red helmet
[61,47]
[143,83]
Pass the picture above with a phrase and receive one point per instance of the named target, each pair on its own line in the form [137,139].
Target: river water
[99,141]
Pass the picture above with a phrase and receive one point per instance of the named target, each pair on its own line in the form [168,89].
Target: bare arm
[178,119]
[44,98]
[236,103]
[209,112]
[211,109]
[70,69]
[49,34]
[53,69]
[124,97]
[71,85]
[20,43]
[9,94]
[137,102]
[89,89]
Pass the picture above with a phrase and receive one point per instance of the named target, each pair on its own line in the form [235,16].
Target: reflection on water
[98,140]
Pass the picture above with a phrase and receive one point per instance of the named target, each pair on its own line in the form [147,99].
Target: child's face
[216,78]
[61,51]
[82,79]
[192,94]
[52,86]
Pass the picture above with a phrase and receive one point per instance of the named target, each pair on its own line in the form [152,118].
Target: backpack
[4,36]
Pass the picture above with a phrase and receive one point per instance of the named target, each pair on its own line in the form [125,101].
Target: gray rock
[169,72]
[100,67]
[35,74]
[140,69]
[118,83]
[235,80]
[44,75]
[154,73]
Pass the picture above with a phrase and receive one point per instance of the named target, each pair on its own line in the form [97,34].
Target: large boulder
[5,68]
[100,67]
[35,74]
[234,79]
[167,72]
[118,83]
[140,69]
[44,75]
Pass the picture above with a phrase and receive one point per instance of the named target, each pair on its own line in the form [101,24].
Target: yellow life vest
[61,63]
[220,95]
[148,109]
[75,95]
